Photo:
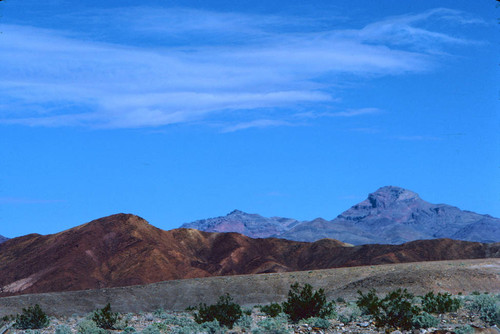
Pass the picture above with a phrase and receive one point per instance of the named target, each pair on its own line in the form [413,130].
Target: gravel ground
[173,322]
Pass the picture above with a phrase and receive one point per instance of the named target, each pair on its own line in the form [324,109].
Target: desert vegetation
[306,310]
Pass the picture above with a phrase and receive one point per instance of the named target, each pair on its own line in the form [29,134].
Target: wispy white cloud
[356,112]
[404,30]
[229,62]
[258,123]
[345,113]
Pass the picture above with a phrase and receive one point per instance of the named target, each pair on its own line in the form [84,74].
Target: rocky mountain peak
[386,196]
[117,221]
[250,224]
[236,212]
[389,215]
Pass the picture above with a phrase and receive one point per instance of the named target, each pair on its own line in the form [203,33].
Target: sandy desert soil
[456,276]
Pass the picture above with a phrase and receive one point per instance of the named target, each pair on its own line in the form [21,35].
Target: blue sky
[182,110]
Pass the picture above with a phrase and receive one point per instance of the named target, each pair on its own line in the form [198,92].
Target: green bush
[369,303]
[225,312]
[487,306]
[271,310]
[160,313]
[467,329]
[425,320]
[395,310]
[186,329]
[303,303]
[161,326]
[440,303]
[88,326]
[7,318]
[277,325]
[211,327]
[245,322]
[32,331]
[63,329]
[151,330]
[349,314]
[178,320]
[129,330]
[104,318]
[32,317]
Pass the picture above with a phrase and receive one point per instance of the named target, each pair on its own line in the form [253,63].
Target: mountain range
[124,249]
[2,239]
[390,215]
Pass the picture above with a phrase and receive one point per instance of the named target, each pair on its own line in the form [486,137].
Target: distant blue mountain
[390,215]
[2,239]
[249,224]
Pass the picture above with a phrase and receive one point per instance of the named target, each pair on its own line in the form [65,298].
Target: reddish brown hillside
[124,249]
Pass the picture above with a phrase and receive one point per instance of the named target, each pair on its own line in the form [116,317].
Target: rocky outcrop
[124,249]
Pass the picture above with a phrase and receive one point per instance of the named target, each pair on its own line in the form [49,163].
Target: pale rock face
[390,215]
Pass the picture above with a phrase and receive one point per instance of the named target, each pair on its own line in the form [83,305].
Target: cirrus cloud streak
[66,78]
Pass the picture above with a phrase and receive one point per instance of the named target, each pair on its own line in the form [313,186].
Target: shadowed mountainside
[124,249]
[391,215]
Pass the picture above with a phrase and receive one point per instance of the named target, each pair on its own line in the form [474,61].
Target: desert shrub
[317,322]
[349,314]
[303,303]
[129,330]
[395,310]
[244,322]
[185,330]
[179,320]
[104,318]
[440,303]
[63,329]
[271,310]
[467,329]
[212,327]
[32,317]
[7,318]
[32,331]
[151,330]
[162,326]
[160,313]
[340,300]
[487,306]
[224,311]
[88,326]
[425,320]
[276,325]
[369,303]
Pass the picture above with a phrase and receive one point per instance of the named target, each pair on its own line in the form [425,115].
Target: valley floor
[159,322]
